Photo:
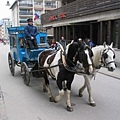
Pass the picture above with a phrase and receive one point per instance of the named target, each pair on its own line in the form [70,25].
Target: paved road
[19,102]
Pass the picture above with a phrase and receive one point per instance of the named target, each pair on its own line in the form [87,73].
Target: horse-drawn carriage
[63,66]
[20,54]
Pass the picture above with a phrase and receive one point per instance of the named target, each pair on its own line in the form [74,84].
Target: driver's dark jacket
[30,31]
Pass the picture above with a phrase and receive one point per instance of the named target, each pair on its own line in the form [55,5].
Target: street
[21,102]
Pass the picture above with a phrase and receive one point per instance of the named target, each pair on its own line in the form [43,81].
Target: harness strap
[110,62]
[50,72]
[50,59]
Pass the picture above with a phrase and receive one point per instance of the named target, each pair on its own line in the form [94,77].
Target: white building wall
[6,25]
[15,11]
[15,19]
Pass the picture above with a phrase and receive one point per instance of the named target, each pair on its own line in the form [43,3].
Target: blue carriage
[20,54]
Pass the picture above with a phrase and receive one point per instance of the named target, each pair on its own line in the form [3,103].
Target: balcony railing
[25,13]
[25,4]
[22,21]
[50,6]
[80,8]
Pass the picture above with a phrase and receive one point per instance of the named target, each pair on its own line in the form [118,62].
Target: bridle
[76,67]
[67,67]
[105,56]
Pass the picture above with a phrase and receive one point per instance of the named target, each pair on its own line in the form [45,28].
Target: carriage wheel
[11,64]
[25,73]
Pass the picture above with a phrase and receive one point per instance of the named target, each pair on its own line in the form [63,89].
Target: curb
[114,76]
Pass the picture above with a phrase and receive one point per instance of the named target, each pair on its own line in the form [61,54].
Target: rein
[44,68]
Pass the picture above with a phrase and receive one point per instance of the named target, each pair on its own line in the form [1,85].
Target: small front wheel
[25,73]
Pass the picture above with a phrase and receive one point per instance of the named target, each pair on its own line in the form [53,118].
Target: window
[37,3]
[42,39]
[50,4]
[14,41]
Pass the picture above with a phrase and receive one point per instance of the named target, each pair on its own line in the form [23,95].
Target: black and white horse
[104,55]
[62,67]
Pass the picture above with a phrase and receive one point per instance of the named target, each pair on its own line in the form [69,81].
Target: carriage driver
[31,32]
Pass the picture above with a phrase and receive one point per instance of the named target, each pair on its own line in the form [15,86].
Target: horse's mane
[67,47]
[97,54]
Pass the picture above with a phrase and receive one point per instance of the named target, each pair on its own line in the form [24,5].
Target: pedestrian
[90,43]
[54,44]
[63,42]
[81,43]
[31,32]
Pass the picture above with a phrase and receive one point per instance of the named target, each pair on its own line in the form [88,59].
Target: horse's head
[72,53]
[85,57]
[108,56]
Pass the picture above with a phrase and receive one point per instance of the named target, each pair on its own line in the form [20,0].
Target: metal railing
[25,13]
[25,4]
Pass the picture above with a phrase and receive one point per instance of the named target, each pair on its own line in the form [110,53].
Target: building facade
[0,31]
[4,28]
[24,9]
[98,20]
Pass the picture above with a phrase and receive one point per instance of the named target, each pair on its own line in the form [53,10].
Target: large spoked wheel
[25,73]
[11,64]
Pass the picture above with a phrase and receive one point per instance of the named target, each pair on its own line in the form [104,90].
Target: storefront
[97,20]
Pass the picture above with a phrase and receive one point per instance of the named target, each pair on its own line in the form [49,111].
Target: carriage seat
[24,44]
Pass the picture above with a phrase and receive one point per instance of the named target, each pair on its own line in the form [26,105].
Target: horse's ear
[104,44]
[111,45]
[85,43]
[72,41]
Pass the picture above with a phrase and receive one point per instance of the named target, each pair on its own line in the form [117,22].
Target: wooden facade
[98,20]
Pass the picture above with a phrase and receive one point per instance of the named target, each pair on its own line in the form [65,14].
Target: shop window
[114,33]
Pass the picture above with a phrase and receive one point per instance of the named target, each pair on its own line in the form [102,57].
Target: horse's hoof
[93,104]
[80,95]
[70,109]
[45,90]
[51,99]
[55,101]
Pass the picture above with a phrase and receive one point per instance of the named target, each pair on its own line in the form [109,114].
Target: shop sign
[55,17]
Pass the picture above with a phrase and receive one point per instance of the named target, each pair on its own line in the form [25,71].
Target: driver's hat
[29,20]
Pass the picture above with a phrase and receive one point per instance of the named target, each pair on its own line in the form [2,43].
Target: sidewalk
[117,57]
[115,73]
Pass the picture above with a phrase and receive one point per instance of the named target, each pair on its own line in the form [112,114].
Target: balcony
[23,22]
[50,6]
[25,13]
[38,6]
[25,4]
